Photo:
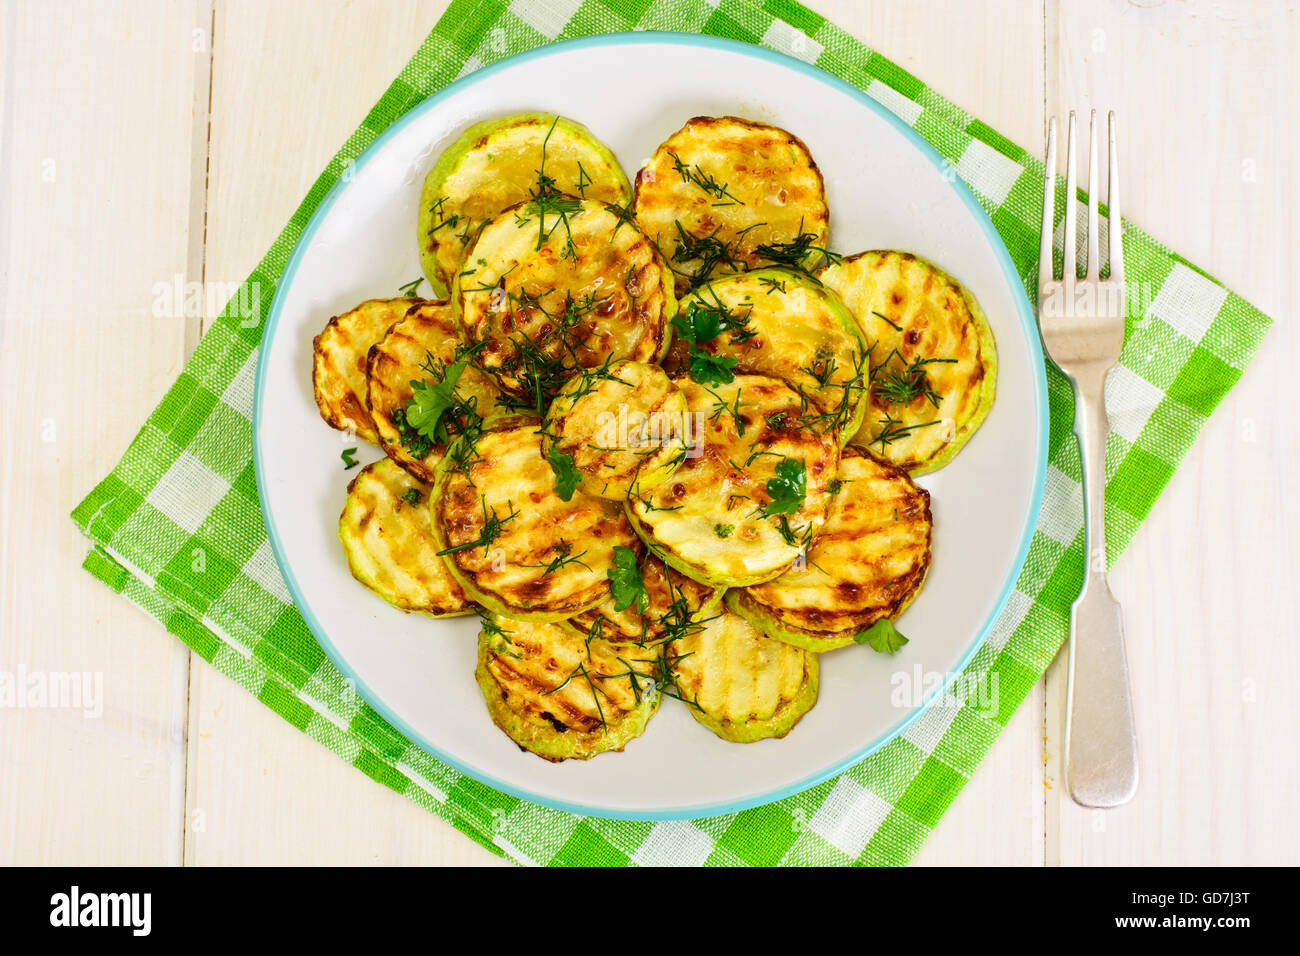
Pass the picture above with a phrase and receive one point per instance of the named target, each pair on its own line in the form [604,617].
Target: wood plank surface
[141,141]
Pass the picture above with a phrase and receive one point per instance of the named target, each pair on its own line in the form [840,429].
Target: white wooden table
[142,141]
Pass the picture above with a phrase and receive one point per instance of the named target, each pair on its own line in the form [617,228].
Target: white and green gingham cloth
[177,529]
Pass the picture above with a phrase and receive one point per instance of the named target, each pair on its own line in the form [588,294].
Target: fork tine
[1045,273]
[1114,224]
[1069,273]
[1094,187]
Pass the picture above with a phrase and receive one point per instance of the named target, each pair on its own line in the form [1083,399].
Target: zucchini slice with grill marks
[740,684]
[559,696]
[673,602]
[338,370]
[753,489]
[622,426]
[554,285]
[420,348]
[494,165]
[789,326]
[933,360]
[723,194]
[512,541]
[868,561]
[389,545]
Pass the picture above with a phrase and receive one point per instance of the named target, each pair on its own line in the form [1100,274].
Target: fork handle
[1101,768]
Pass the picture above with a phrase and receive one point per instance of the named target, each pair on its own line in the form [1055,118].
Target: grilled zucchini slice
[557,285]
[559,696]
[672,601]
[338,369]
[419,347]
[732,514]
[869,561]
[934,363]
[740,684]
[514,544]
[724,194]
[494,165]
[622,426]
[788,326]
[389,545]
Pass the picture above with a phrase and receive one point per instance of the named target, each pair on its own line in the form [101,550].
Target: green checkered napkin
[177,529]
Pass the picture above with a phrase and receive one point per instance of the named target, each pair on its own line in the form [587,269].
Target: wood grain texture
[1209,93]
[259,791]
[94,186]
[182,146]
[997,819]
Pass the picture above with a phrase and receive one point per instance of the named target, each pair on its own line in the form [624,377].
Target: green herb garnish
[564,556]
[566,473]
[707,183]
[625,581]
[893,429]
[710,369]
[546,199]
[902,386]
[881,636]
[441,221]
[703,322]
[493,524]
[787,488]
[799,253]
[434,402]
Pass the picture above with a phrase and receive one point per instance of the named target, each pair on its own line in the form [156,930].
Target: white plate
[887,189]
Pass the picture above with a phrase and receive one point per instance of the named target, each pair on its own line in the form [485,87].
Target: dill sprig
[694,174]
[563,558]
[546,363]
[903,385]
[546,198]
[821,416]
[668,682]
[596,692]
[797,253]
[887,320]
[894,429]
[710,251]
[493,524]
[440,220]
[637,680]
[732,409]
[735,324]
[436,412]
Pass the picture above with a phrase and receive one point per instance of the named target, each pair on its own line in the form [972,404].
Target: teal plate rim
[1024,310]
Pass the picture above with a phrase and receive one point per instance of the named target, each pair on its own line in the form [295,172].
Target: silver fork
[1082,322]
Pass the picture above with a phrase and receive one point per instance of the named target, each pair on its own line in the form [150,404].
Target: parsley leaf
[698,323]
[709,369]
[625,582]
[723,530]
[881,636]
[567,475]
[703,323]
[412,496]
[430,401]
[410,439]
[787,488]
